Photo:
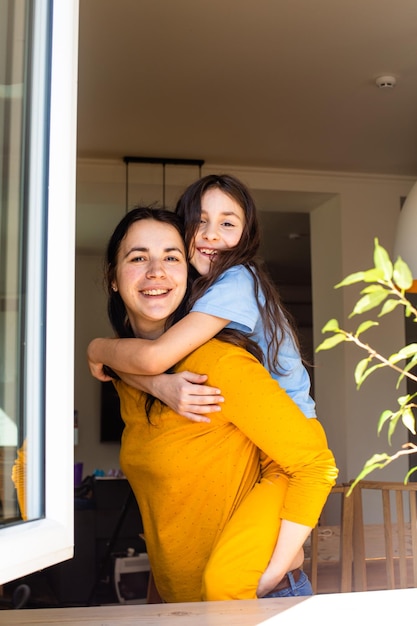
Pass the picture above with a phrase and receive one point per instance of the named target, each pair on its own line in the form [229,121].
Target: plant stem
[375,355]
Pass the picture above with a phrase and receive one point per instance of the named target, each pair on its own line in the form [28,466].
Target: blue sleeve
[294,377]
[232,297]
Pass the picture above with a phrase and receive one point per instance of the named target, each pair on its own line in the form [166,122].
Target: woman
[191,479]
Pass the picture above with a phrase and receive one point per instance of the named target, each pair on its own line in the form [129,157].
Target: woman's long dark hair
[275,318]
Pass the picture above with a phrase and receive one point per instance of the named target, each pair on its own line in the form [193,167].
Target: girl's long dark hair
[275,318]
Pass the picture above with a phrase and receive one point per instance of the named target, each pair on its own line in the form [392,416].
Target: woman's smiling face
[151,275]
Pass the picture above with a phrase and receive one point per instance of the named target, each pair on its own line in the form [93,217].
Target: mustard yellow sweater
[189,478]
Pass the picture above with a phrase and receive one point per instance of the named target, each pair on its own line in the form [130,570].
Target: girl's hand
[183,392]
[288,555]
[97,370]
[97,367]
[267,583]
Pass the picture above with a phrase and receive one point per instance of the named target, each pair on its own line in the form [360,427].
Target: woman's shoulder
[215,353]
[225,365]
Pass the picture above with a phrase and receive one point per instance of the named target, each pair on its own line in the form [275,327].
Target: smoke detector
[386,82]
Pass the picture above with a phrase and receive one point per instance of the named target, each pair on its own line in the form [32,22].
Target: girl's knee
[214,584]
[221,584]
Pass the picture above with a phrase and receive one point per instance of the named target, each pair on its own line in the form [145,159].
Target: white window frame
[30,546]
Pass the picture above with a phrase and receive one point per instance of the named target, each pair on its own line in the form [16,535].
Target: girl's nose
[210,232]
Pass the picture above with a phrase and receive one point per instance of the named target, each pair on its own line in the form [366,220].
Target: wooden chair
[345,545]
[152,596]
[393,497]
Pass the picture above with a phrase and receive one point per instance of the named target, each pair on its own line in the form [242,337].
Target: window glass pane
[22,214]
[38,104]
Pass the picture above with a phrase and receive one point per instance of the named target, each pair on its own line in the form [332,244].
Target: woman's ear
[114,286]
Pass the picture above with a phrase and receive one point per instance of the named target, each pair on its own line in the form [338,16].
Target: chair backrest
[345,546]
[394,497]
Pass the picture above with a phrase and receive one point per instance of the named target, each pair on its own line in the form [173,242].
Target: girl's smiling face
[221,226]
[151,275]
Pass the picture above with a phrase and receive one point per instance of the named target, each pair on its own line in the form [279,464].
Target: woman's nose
[155,269]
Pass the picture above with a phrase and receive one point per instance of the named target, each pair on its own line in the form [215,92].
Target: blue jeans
[300,588]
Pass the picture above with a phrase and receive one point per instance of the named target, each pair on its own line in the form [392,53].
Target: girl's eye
[228,224]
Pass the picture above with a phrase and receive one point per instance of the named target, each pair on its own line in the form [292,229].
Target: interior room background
[344,211]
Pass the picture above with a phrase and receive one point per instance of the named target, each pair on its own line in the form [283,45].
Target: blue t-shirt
[232,297]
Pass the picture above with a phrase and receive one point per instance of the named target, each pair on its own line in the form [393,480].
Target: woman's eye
[137,259]
[172,259]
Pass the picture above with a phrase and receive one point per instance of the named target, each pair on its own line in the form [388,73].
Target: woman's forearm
[186,393]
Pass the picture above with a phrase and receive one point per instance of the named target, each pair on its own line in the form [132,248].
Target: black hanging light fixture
[158,161]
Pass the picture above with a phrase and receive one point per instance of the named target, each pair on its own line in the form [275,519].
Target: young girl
[231,289]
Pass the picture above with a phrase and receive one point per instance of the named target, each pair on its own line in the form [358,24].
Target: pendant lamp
[163,162]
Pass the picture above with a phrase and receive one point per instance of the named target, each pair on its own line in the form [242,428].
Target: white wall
[90,322]
[342,230]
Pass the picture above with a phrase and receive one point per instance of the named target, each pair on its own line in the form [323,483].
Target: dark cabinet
[106,525]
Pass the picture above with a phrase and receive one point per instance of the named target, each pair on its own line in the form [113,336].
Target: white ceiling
[277,83]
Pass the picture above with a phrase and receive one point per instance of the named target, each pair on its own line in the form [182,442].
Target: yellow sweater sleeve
[255,403]
[19,479]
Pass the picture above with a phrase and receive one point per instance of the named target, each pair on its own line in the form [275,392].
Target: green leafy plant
[385,290]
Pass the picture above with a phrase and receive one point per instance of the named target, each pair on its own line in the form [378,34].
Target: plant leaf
[409,421]
[377,461]
[403,400]
[409,310]
[394,358]
[408,351]
[411,363]
[393,425]
[330,342]
[357,277]
[402,275]
[373,288]
[364,326]
[370,301]
[407,476]
[331,326]
[373,275]
[409,366]
[382,261]
[369,371]
[360,369]
[384,417]
[389,306]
